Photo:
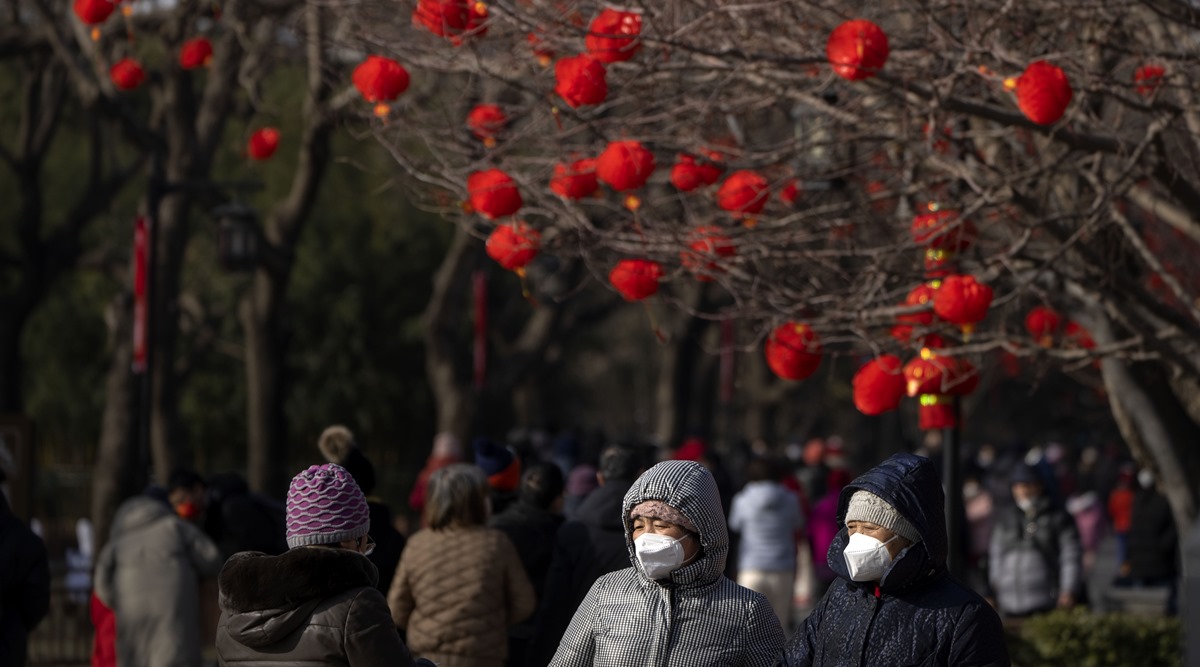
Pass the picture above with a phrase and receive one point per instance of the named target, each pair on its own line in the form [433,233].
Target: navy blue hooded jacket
[921,616]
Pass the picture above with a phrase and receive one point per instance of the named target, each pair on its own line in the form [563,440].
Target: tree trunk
[116,471]
[443,319]
[260,312]
[170,236]
[11,372]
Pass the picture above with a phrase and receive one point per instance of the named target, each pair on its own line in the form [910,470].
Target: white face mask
[660,555]
[1025,504]
[866,557]
[1146,478]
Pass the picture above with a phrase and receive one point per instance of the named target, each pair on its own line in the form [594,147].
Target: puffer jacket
[307,606]
[695,618]
[919,615]
[767,516]
[456,592]
[1033,557]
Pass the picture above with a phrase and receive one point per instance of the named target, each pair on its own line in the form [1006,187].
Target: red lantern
[936,381]
[744,192]
[493,193]
[1043,92]
[451,19]
[195,53]
[1078,336]
[576,180]
[514,245]
[963,301]
[879,385]
[1042,323]
[263,143]
[612,36]
[380,80]
[790,192]
[126,74]
[486,121]
[543,53]
[793,351]
[942,230]
[625,165]
[689,174]
[580,80]
[919,296]
[93,12]
[857,49]
[1148,78]
[636,279]
[706,245]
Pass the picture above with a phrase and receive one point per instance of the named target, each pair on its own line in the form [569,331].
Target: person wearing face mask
[894,603]
[674,607]
[1035,556]
[1153,542]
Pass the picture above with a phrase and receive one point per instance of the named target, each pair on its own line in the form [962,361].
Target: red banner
[141,255]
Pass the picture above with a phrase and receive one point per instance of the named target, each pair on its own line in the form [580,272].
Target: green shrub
[1079,637]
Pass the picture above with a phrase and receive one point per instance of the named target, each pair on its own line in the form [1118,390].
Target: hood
[139,512]
[688,487]
[909,483]
[267,597]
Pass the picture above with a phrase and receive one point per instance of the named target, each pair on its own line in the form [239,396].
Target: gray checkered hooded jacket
[695,618]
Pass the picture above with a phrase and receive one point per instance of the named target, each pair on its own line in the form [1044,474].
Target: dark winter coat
[919,615]
[389,544]
[1033,557]
[24,585]
[587,548]
[696,617]
[1153,540]
[308,606]
[532,530]
[240,520]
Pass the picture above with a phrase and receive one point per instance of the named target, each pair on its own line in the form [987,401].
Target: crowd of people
[527,556]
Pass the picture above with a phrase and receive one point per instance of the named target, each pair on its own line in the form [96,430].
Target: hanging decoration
[636,279]
[935,381]
[919,296]
[1078,336]
[690,172]
[943,235]
[575,180]
[1147,79]
[790,192]
[493,194]
[612,36]
[580,80]
[963,301]
[514,246]
[625,166]
[486,122]
[263,143]
[879,385]
[127,74]
[1043,92]
[745,193]
[707,245]
[1042,323]
[195,53]
[857,49]
[543,53]
[94,12]
[793,351]
[452,19]
[380,80]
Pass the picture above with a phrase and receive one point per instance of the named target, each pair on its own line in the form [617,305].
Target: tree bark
[116,468]
[266,449]
[452,393]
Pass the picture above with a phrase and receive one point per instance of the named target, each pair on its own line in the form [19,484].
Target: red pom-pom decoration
[1042,323]
[879,385]
[636,279]
[493,193]
[576,180]
[127,74]
[263,143]
[706,244]
[195,53]
[514,245]
[625,165]
[963,301]
[1043,93]
[93,12]
[689,173]
[1147,79]
[612,36]
[857,49]
[486,122]
[744,192]
[380,80]
[580,80]
[793,351]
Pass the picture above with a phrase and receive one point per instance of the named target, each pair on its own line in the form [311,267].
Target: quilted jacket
[457,591]
[696,617]
[919,615]
[1032,557]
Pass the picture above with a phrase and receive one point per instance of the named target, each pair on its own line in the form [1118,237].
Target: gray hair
[456,497]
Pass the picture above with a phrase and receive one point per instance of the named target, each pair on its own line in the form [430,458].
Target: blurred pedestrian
[1120,512]
[315,604]
[149,575]
[238,519]
[1153,542]
[24,584]
[446,451]
[503,470]
[581,482]
[674,607]
[823,527]
[894,603]
[767,517]
[460,585]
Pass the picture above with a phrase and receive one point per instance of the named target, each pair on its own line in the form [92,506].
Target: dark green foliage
[1083,639]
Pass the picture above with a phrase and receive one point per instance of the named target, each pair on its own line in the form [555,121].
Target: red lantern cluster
[580,80]
[93,12]
[1147,79]
[935,381]
[745,192]
[941,229]
[127,74]
[962,300]
[1043,92]
[1042,323]
[793,351]
[493,193]
[263,143]
[919,296]
[879,385]
[452,19]
[612,36]
[636,279]
[625,165]
[486,122]
[380,80]
[195,53]
[514,245]
[575,180]
[857,49]
[706,245]
[690,173]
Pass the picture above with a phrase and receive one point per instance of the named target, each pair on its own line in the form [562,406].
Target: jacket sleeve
[400,597]
[205,555]
[102,579]
[371,638]
[558,598]
[35,588]
[578,645]
[522,600]
[979,639]
[764,635]
[801,648]
[1070,557]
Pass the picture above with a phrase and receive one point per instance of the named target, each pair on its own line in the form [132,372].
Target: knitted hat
[498,462]
[866,506]
[325,506]
[338,445]
[660,510]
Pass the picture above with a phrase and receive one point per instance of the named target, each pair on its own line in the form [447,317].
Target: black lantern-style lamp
[238,237]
